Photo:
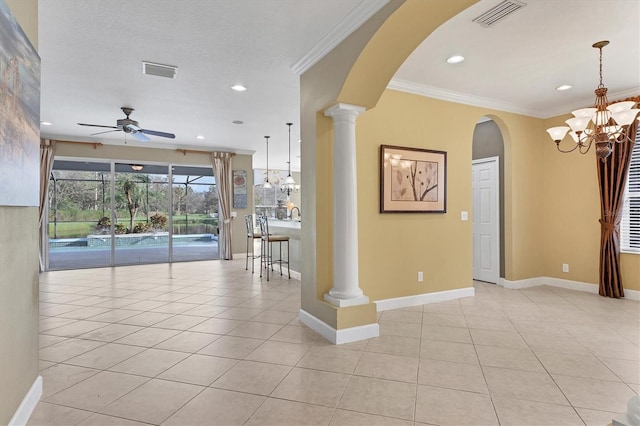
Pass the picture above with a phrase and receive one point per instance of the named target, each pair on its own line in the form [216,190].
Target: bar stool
[251,237]
[266,248]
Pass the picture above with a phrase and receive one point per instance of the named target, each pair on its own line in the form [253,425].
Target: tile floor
[208,343]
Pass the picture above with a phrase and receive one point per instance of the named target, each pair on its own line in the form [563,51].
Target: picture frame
[239,189]
[412,180]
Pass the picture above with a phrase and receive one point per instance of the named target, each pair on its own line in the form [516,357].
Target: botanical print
[413,180]
[240,189]
[19,115]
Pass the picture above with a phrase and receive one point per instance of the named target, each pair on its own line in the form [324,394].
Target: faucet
[291,213]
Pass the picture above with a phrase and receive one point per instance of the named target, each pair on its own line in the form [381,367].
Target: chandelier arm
[569,150]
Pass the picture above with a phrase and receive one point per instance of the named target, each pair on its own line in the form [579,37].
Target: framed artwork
[240,189]
[412,180]
[19,115]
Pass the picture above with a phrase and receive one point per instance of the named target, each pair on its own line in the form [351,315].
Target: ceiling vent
[167,71]
[499,12]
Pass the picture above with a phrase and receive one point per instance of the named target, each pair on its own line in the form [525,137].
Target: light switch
[464,215]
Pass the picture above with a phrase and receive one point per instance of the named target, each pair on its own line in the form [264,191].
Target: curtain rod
[95,144]
[194,151]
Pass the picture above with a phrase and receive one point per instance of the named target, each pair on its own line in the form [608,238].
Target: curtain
[222,173]
[612,178]
[47,148]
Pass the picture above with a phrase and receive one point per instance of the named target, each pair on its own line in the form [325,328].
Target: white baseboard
[561,283]
[423,299]
[28,404]
[294,274]
[338,337]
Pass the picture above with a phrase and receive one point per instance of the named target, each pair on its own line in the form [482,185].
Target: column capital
[342,110]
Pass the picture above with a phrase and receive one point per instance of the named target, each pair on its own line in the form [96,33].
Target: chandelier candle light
[266,183]
[289,183]
[603,124]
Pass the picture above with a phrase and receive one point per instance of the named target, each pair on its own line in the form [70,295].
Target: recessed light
[46,123]
[455,59]
[239,87]
[238,122]
[564,87]
[199,137]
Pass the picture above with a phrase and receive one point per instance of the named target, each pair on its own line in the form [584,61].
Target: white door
[486,220]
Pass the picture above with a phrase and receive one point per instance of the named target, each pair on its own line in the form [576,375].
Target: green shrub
[141,227]
[120,228]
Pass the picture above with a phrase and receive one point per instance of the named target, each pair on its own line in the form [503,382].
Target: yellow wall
[166,156]
[572,230]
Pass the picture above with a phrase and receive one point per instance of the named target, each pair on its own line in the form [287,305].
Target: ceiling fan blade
[108,131]
[140,136]
[97,125]
[156,133]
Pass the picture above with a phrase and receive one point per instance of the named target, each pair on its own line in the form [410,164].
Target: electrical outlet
[464,215]
[565,267]
[420,277]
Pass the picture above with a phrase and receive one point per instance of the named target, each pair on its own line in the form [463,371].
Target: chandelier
[289,185]
[603,124]
[266,184]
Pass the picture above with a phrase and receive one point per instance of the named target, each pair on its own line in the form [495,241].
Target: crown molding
[351,22]
[458,97]
[463,98]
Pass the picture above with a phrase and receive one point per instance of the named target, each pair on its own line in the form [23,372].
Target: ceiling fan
[130,127]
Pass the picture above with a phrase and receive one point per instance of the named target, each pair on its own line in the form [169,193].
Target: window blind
[630,227]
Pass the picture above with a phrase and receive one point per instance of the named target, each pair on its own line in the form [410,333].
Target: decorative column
[346,290]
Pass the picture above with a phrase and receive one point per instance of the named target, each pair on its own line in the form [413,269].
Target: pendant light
[289,183]
[267,184]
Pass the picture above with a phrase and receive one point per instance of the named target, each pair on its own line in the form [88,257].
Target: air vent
[499,12]
[168,71]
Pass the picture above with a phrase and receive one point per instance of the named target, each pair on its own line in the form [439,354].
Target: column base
[341,303]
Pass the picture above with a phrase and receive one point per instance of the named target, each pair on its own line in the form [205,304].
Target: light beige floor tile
[110,332]
[146,305]
[150,362]
[103,420]
[274,317]
[145,319]
[505,339]
[77,328]
[105,356]
[173,308]
[394,345]
[279,353]
[352,418]
[198,369]
[255,330]
[67,349]
[487,323]
[404,329]
[188,341]
[153,402]
[206,310]
[231,347]
[294,334]
[628,371]
[115,315]
[148,337]
[402,316]
[216,326]
[523,385]
[586,366]
[241,314]
[452,375]
[453,407]
[279,412]
[45,340]
[252,377]
[331,358]
[84,313]
[595,417]
[97,391]
[516,412]
[517,359]
[56,415]
[444,320]
[447,334]
[216,407]
[43,365]
[312,386]
[595,394]
[385,366]
[180,322]
[448,351]
[62,376]
[381,397]
[561,344]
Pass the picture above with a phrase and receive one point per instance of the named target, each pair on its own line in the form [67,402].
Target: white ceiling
[92,51]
